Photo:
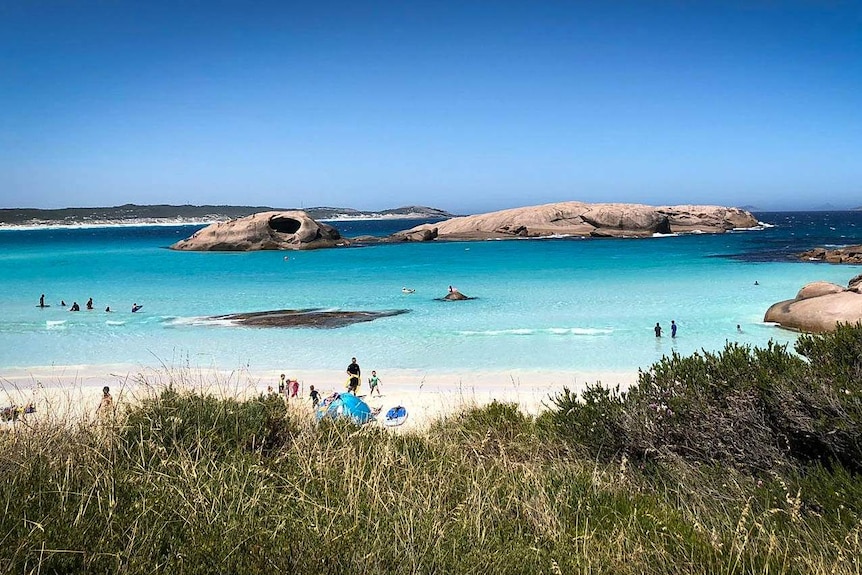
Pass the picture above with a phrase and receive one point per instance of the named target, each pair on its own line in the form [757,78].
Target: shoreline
[73,391]
[167,222]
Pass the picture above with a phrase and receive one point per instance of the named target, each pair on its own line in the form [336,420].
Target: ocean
[555,304]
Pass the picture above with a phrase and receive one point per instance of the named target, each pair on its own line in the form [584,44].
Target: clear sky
[462,105]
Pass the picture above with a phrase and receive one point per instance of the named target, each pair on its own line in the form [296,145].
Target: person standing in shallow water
[657,329]
[672,328]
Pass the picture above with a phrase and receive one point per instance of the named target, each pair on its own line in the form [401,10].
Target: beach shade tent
[346,405]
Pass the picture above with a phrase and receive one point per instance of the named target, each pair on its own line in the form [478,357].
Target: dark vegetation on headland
[743,461]
[134,212]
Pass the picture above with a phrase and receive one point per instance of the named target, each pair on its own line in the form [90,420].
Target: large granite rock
[291,230]
[845,255]
[582,219]
[819,307]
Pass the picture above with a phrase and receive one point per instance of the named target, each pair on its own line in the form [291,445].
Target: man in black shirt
[353,374]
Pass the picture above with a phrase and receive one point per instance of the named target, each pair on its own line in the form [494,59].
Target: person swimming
[407,290]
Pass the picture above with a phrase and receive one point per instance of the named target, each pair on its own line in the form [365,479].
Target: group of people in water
[658,329]
[89,305]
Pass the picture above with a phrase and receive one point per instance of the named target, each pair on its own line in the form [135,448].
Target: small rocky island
[296,230]
[290,230]
[819,307]
[582,219]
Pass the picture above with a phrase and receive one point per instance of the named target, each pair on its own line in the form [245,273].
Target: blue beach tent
[346,405]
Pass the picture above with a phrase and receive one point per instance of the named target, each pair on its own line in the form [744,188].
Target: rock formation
[305,317]
[455,295]
[581,219]
[819,307]
[292,230]
[845,255]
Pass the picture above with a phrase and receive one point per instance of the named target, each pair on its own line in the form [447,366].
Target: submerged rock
[818,307]
[305,317]
[291,230]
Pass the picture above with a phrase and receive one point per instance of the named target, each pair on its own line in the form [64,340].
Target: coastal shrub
[594,420]
[820,414]
[755,408]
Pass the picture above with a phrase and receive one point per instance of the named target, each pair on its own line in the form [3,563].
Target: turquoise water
[566,304]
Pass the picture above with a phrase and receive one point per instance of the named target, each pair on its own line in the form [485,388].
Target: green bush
[594,420]
[756,408]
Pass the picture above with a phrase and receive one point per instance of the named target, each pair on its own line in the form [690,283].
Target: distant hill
[163,213]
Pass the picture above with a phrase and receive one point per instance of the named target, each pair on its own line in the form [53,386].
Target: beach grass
[185,481]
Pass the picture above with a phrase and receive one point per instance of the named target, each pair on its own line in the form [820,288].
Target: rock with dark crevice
[288,230]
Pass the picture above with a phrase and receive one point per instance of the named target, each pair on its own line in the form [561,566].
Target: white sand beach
[73,392]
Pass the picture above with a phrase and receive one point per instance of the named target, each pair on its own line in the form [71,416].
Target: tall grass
[185,482]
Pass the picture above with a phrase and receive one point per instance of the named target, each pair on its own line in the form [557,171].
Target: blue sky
[467,106]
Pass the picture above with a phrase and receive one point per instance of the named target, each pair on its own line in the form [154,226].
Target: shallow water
[563,304]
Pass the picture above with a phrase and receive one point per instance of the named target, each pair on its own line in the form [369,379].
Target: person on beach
[106,406]
[657,329]
[75,307]
[314,395]
[90,303]
[354,374]
[42,300]
[294,388]
[373,383]
[672,328]
[281,385]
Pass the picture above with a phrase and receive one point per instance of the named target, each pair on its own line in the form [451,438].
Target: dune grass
[185,482]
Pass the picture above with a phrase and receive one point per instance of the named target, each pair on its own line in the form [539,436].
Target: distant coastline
[168,215]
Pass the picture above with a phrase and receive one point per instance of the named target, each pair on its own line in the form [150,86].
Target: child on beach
[294,387]
[315,396]
[281,385]
[373,382]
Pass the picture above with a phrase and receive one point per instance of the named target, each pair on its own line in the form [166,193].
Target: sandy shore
[73,392]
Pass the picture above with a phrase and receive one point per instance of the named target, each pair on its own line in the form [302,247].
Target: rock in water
[818,307]
[291,230]
[582,219]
